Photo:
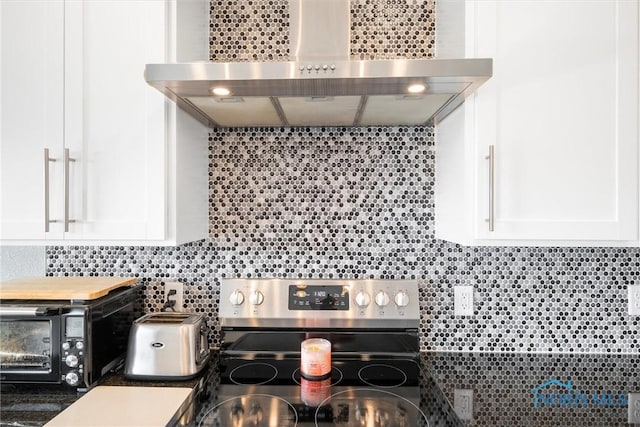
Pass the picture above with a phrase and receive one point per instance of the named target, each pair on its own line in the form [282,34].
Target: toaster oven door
[29,345]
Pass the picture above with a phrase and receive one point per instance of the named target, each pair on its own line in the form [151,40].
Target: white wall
[21,261]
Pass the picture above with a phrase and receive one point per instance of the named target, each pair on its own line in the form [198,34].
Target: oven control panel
[320,302]
[318,297]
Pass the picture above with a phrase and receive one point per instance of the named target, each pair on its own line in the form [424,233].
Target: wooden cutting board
[120,406]
[62,288]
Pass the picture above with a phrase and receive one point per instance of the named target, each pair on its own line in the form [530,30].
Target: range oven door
[30,344]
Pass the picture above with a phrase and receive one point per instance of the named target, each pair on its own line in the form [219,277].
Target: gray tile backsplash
[358,203]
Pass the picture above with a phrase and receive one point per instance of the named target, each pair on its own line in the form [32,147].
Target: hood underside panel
[343,93]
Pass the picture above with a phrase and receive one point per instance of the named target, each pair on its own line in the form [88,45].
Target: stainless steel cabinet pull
[67,161]
[47,219]
[492,188]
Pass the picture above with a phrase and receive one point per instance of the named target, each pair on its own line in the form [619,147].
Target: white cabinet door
[73,82]
[115,119]
[561,112]
[31,117]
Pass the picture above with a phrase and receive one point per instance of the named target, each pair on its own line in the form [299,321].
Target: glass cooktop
[374,392]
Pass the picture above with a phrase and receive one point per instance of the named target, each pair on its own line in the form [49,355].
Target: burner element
[383,376]
[335,376]
[253,374]
[251,410]
[371,407]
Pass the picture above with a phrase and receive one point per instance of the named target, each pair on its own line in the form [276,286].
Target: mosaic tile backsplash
[358,203]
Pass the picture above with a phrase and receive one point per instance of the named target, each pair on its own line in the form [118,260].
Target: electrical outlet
[463,403]
[463,300]
[634,300]
[178,297]
[634,408]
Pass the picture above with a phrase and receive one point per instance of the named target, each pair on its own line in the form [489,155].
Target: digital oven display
[74,327]
[304,297]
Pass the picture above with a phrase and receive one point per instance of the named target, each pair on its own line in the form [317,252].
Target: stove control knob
[236,297]
[256,298]
[382,299]
[402,299]
[362,299]
[72,378]
[71,360]
[66,345]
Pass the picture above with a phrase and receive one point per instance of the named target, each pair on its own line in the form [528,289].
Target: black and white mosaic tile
[358,203]
[258,30]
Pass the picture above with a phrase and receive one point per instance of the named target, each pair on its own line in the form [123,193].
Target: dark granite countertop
[30,406]
[559,390]
[24,405]
[507,389]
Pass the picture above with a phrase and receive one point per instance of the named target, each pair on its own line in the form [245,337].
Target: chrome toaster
[167,346]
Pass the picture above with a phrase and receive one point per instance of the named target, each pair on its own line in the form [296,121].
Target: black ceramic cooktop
[377,392]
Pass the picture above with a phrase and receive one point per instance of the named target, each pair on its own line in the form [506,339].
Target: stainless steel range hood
[322,86]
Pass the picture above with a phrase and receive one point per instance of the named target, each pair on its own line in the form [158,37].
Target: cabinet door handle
[492,187]
[67,161]
[47,218]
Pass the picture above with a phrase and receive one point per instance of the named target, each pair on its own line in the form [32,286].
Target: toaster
[167,346]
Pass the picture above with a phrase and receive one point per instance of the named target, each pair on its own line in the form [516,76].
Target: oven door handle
[29,311]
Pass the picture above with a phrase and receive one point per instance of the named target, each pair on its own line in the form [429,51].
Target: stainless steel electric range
[374,377]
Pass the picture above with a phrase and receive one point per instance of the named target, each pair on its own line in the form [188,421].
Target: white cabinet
[31,115]
[132,179]
[561,113]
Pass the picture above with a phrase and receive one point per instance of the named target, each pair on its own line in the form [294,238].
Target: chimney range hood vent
[321,87]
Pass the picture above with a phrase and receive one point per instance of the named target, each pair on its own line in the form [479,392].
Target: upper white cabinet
[560,117]
[31,116]
[73,84]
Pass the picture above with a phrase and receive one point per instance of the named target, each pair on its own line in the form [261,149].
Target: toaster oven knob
[66,345]
[72,378]
[236,298]
[79,345]
[71,360]
[256,298]
[382,299]
[402,299]
[362,299]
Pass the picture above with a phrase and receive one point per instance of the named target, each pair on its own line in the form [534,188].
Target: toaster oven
[68,343]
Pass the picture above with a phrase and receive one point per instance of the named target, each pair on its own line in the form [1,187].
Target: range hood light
[220,91]
[417,88]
